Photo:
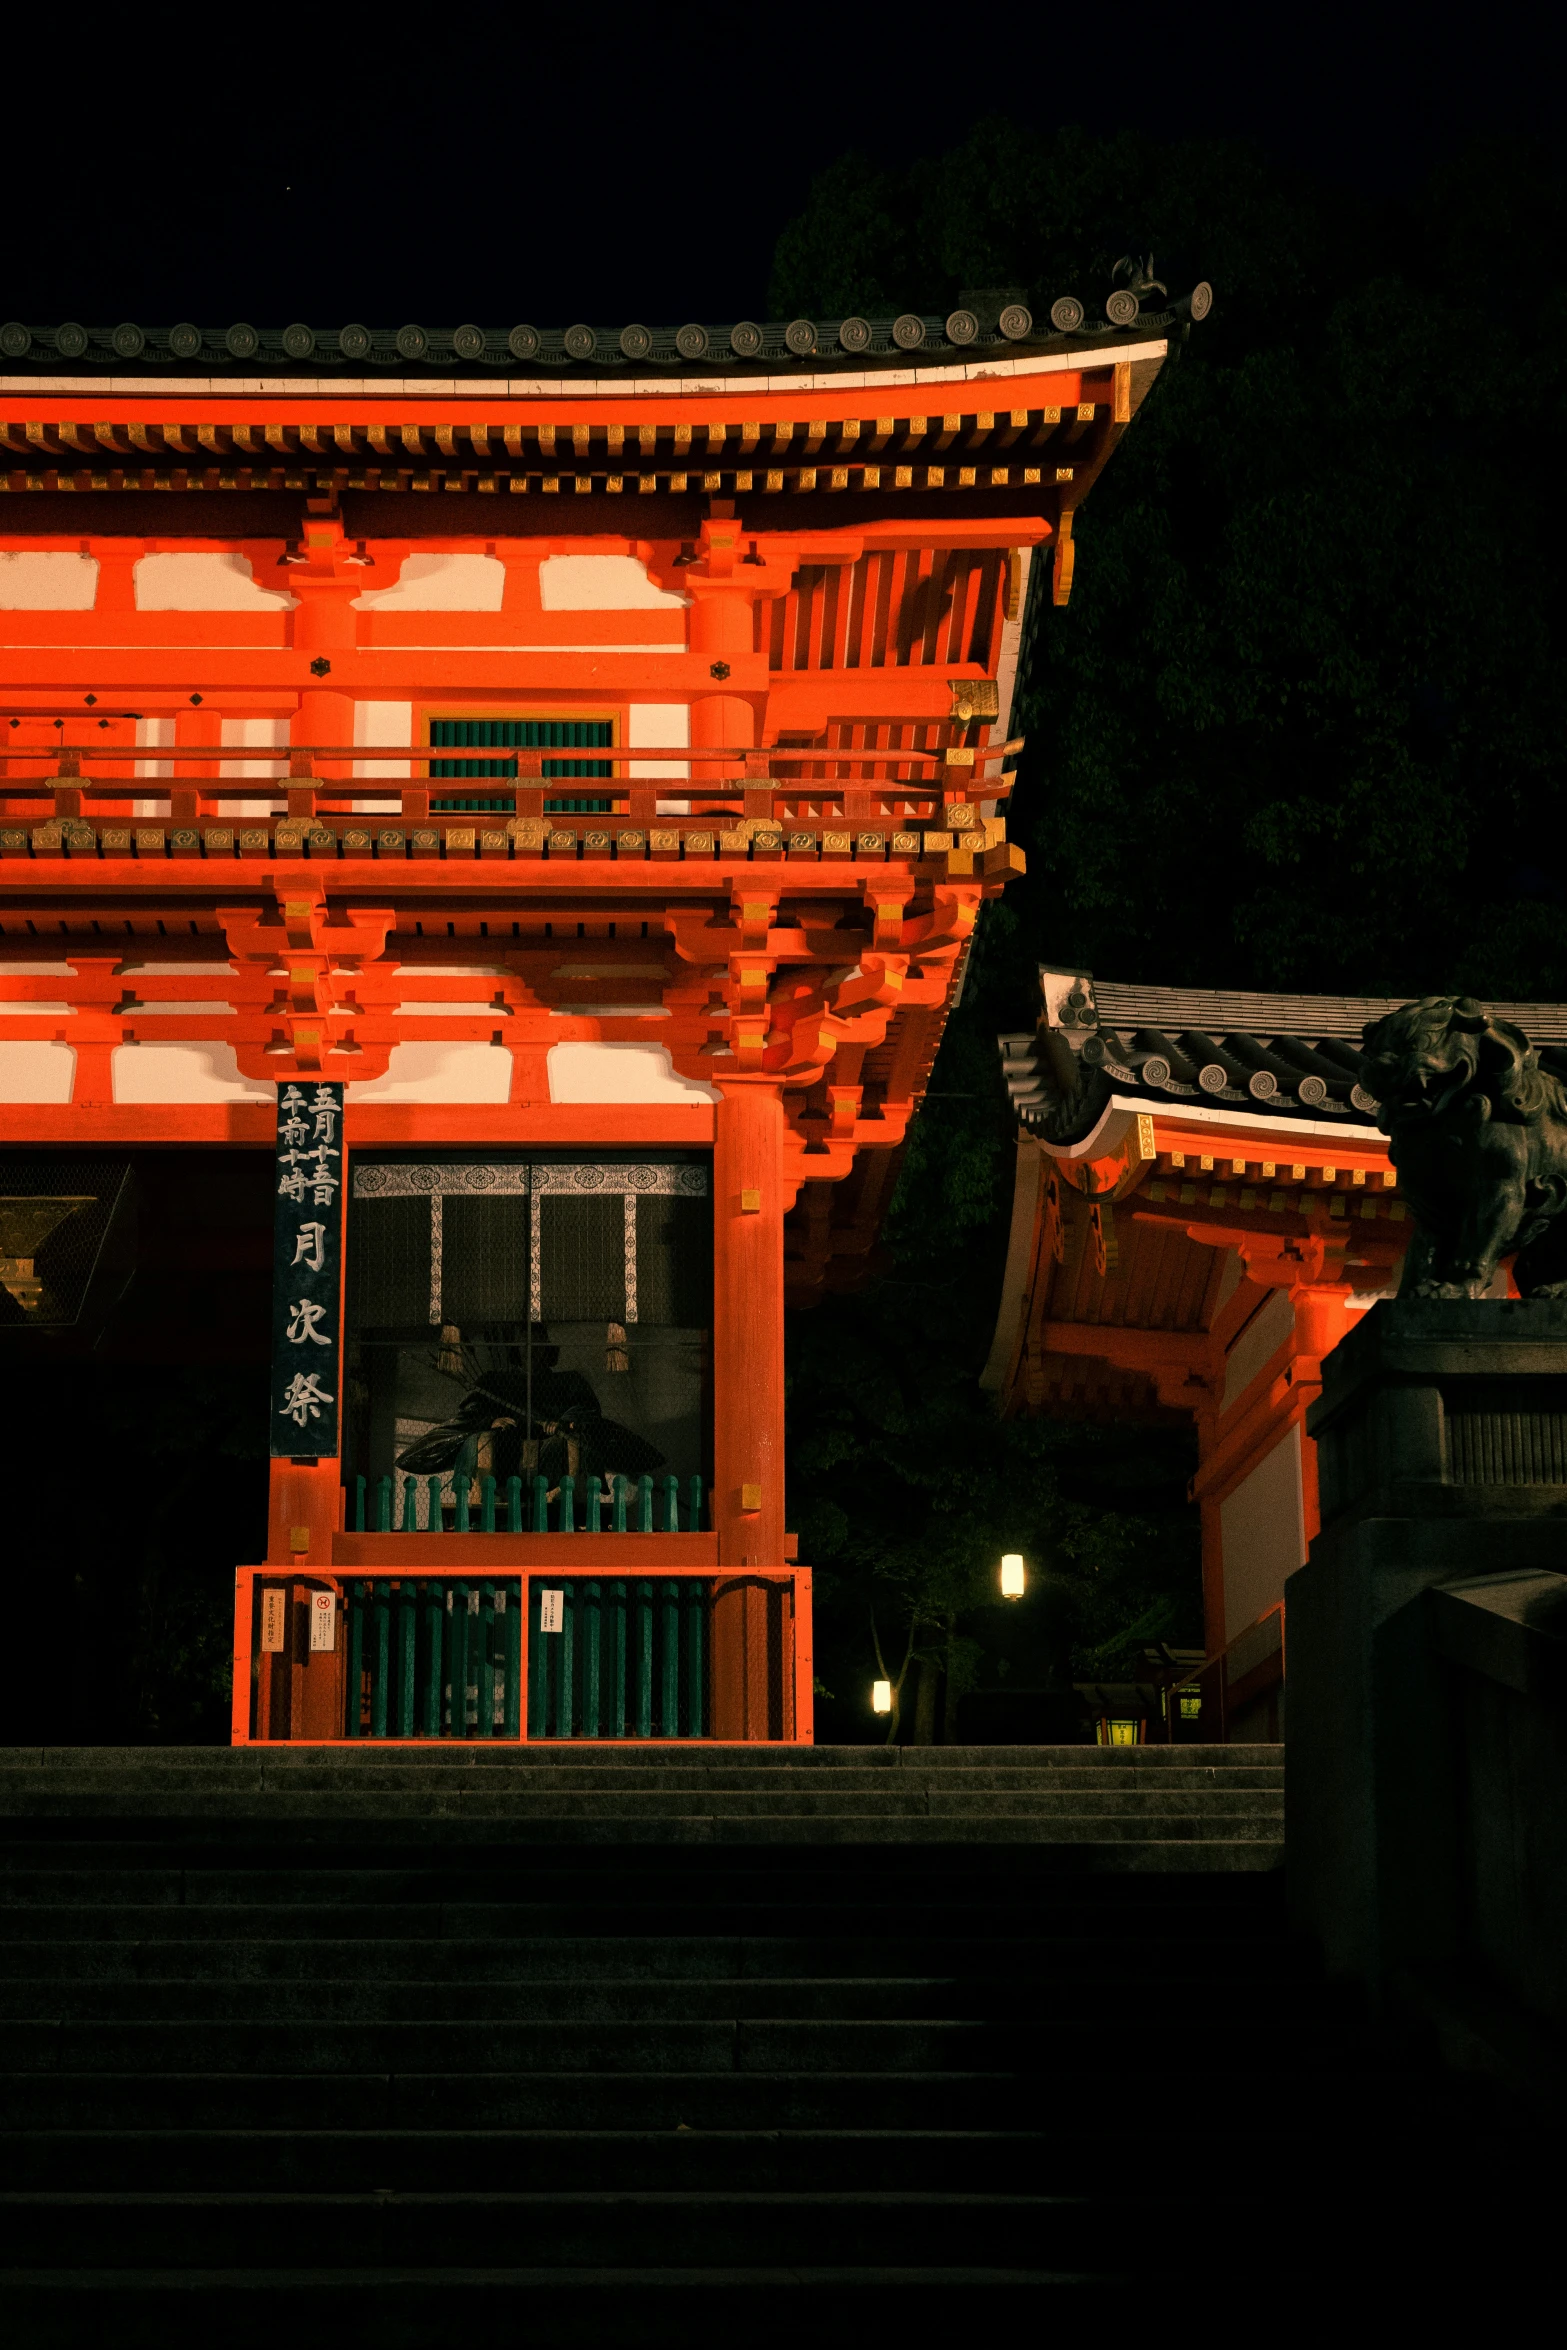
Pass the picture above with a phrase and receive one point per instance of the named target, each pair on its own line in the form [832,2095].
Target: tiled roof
[1097,327]
[1289,1057]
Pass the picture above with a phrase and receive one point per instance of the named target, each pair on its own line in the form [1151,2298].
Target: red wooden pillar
[750,1695]
[194,730]
[303,1502]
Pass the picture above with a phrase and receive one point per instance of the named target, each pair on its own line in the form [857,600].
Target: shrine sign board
[307,1265]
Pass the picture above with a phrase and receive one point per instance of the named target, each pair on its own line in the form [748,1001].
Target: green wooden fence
[628,1660]
[430,1657]
[433,1659]
[517,1505]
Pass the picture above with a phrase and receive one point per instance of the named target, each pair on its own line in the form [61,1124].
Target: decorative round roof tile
[242,342]
[636,341]
[1202,299]
[855,334]
[962,326]
[1016,321]
[354,342]
[800,337]
[908,332]
[1066,314]
[468,342]
[128,340]
[1122,307]
[692,341]
[70,340]
[185,340]
[298,340]
[580,341]
[523,342]
[412,342]
[746,339]
[15,340]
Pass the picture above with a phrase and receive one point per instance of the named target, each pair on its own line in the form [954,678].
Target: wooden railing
[1251,1667]
[815,801]
[513,1505]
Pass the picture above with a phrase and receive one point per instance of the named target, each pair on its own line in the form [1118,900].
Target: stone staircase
[377,2045]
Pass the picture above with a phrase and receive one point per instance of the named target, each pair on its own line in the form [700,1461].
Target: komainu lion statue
[1478,1132]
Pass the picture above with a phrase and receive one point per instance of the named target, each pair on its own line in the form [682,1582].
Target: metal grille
[674,1261]
[582,1260]
[520,1318]
[55,1217]
[484,1261]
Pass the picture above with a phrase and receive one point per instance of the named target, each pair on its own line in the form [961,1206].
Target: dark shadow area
[133,1452]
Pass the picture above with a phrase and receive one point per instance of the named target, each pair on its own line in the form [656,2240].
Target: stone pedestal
[1442,1428]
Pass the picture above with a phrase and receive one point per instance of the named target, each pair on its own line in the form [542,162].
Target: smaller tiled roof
[1289,1057]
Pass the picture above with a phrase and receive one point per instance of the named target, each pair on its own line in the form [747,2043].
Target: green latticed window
[474,737]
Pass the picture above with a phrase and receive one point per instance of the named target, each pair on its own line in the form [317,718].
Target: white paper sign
[274,1618]
[323,1619]
[551,1609]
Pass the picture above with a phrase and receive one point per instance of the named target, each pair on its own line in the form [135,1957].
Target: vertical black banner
[307,1258]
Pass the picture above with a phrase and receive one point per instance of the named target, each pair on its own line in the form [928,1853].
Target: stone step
[1340,2087]
[721,2043]
[233,1913]
[610,2230]
[483,1798]
[1100,1831]
[576,1868]
[1073,1967]
[401,1769]
[348,2160]
[443,1754]
[665,2308]
[319,2001]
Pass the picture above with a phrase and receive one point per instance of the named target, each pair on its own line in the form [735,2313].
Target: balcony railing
[820,801]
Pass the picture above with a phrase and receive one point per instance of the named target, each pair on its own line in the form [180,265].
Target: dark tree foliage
[1300,727]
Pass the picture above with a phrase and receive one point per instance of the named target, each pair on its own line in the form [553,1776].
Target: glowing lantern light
[1012,1576]
[881,1697]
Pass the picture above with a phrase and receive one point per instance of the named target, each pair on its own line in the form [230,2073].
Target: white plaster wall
[440,583]
[34,580]
[661,725]
[383,723]
[440,1073]
[1262,1532]
[37,1072]
[601,583]
[621,1073]
[216,582]
[1263,1335]
[183,1073]
[261,734]
[155,733]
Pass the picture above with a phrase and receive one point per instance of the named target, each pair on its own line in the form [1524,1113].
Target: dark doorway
[133,1439]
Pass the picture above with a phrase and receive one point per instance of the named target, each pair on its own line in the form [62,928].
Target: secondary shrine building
[1203,1205]
[532,794]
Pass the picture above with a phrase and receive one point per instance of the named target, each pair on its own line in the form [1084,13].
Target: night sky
[497,165]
